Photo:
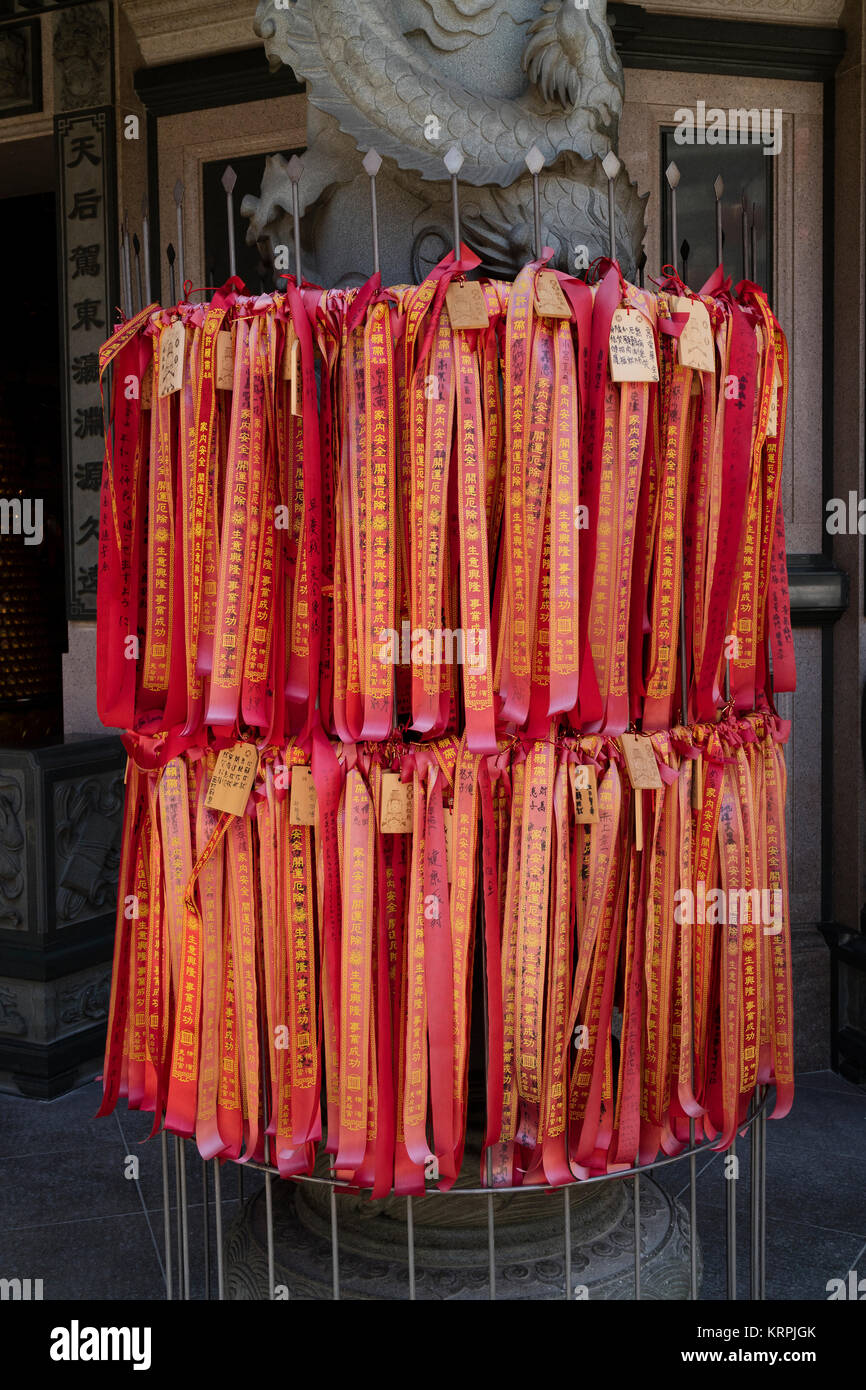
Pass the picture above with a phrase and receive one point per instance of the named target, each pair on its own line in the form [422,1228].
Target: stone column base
[451,1260]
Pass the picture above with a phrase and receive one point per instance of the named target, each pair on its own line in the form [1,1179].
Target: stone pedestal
[451,1253]
[60,825]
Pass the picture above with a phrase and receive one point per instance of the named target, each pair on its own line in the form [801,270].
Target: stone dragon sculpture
[413,77]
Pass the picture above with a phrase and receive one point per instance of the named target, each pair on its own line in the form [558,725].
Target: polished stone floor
[70,1215]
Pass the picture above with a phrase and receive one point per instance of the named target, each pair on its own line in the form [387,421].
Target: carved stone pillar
[60,823]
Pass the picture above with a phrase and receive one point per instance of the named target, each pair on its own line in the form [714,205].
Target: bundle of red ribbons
[416,607]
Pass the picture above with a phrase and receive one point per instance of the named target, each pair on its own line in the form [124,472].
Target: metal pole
[611,166]
[178,199]
[136,246]
[672,174]
[636,1185]
[372,163]
[335,1247]
[454,163]
[176,1145]
[205,1193]
[410,1229]
[745,232]
[693,1216]
[731,1225]
[295,170]
[269,1216]
[184,1215]
[754,1201]
[166,1216]
[125,292]
[719,188]
[218,1208]
[762,1200]
[535,164]
[269,1196]
[228,181]
[488,1157]
[145,248]
[566,1212]
[172,287]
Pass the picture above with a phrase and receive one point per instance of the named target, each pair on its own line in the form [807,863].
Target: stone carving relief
[88,818]
[12,1023]
[411,79]
[11,856]
[14,68]
[86,1003]
[82,71]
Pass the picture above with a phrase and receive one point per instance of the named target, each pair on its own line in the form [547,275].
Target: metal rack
[177,1231]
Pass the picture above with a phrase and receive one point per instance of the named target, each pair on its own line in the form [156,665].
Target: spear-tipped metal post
[641,267]
[745,231]
[296,169]
[611,166]
[372,163]
[454,163]
[672,174]
[124,303]
[136,246]
[685,249]
[228,181]
[753,229]
[145,247]
[126,266]
[172,287]
[535,164]
[178,202]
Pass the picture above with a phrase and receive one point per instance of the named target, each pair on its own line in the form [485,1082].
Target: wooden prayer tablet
[232,779]
[640,760]
[172,345]
[292,368]
[395,805]
[632,347]
[302,797]
[696,340]
[225,362]
[550,299]
[584,787]
[467,307]
[147,387]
